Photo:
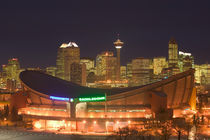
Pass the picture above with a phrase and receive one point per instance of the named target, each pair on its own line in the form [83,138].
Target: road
[13,134]
[18,134]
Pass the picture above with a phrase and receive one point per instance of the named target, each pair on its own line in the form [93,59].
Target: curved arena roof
[178,88]
[53,86]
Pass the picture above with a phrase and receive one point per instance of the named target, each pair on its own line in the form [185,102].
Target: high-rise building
[106,65]
[123,72]
[172,53]
[158,64]
[197,74]
[78,73]
[11,85]
[118,45]
[90,64]
[186,61]
[141,71]
[11,71]
[67,54]
[129,73]
[173,56]
[202,74]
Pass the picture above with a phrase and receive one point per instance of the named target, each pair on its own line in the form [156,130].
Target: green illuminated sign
[92,99]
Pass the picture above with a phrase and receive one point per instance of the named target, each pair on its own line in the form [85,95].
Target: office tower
[11,85]
[78,73]
[205,75]
[67,54]
[173,56]
[51,71]
[172,53]
[10,72]
[106,66]
[13,68]
[90,64]
[186,61]
[111,68]
[129,73]
[123,72]
[118,45]
[198,74]
[158,64]
[60,61]
[141,71]
[101,62]
[202,74]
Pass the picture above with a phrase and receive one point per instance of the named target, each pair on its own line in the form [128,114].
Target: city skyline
[35,36]
[105,69]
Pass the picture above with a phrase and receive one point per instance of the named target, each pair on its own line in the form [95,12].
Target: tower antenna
[118,36]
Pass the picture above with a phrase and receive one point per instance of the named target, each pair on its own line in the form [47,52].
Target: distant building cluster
[9,76]
[106,70]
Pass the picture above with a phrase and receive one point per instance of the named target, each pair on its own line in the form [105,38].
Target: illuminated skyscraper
[173,56]
[10,72]
[106,65]
[129,73]
[67,54]
[202,74]
[158,64]
[90,64]
[172,53]
[118,45]
[186,61]
[123,72]
[141,71]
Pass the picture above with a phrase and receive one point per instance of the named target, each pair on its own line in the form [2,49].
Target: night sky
[33,30]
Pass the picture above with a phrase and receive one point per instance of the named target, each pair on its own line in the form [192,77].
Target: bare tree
[180,127]
[127,133]
[165,130]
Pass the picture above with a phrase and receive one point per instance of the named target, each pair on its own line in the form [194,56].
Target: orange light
[117,122]
[84,121]
[129,122]
[94,122]
[37,125]
[108,81]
